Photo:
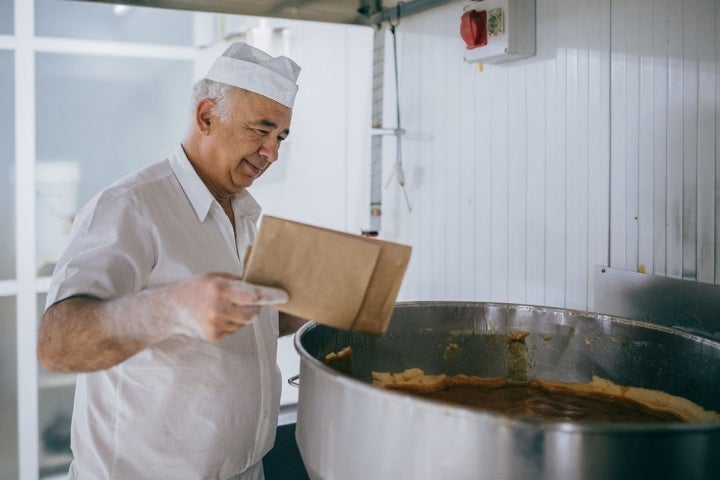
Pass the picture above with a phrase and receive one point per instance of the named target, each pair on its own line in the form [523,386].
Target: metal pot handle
[294,381]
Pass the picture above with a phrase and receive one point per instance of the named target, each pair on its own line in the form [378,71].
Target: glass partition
[109,22]
[98,119]
[7,17]
[7,164]
[8,390]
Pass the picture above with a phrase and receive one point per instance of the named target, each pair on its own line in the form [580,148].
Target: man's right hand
[215,305]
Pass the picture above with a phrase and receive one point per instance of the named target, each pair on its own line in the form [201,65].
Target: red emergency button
[473,28]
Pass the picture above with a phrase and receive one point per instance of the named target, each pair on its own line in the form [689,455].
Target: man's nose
[269,150]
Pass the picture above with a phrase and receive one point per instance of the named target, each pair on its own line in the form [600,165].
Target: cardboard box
[334,278]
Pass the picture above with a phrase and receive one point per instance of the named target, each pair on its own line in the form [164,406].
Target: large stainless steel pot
[348,429]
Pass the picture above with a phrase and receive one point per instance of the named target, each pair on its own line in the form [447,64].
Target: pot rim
[436,408]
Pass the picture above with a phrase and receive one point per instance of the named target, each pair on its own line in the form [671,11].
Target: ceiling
[356,12]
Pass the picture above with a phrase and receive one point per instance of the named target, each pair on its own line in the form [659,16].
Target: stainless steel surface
[348,429]
[356,12]
[689,305]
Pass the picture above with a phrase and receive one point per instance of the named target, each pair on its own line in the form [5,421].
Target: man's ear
[204,116]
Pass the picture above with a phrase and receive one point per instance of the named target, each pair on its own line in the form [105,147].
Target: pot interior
[481,339]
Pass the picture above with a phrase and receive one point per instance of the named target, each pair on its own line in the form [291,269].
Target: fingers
[220,303]
[228,320]
[244,301]
[244,293]
[234,314]
[270,296]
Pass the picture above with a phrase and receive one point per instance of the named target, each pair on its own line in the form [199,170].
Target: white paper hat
[246,67]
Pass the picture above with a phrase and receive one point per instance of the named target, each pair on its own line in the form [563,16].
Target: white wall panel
[645,116]
[515,184]
[500,185]
[534,183]
[602,149]
[656,249]
[706,149]
[470,120]
[673,148]
[508,167]
[717,147]
[556,174]
[674,165]
[598,146]
[690,141]
[321,176]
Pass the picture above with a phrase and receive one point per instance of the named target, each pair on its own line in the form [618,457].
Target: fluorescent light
[120,10]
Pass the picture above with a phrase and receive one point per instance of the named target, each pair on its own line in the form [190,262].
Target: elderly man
[178,353]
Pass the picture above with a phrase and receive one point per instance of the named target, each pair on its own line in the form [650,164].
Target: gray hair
[222,94]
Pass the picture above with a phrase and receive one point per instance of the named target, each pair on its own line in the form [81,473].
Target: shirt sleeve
[110,252]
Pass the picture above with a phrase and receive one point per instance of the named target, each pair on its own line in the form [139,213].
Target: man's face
[236,152]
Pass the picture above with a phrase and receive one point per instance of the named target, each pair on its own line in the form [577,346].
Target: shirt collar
[200,197]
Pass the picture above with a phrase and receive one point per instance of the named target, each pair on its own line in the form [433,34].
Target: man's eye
[262,133]
[280,139]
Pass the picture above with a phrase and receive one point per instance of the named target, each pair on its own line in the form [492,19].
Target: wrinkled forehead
[262,111]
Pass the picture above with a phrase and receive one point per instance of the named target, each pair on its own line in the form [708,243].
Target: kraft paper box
[334,278]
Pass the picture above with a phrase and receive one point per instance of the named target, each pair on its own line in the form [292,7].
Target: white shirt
[184,408]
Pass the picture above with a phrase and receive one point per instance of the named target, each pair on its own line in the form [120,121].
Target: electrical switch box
[498,31]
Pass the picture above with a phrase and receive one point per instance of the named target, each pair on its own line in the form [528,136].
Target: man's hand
[215,305]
